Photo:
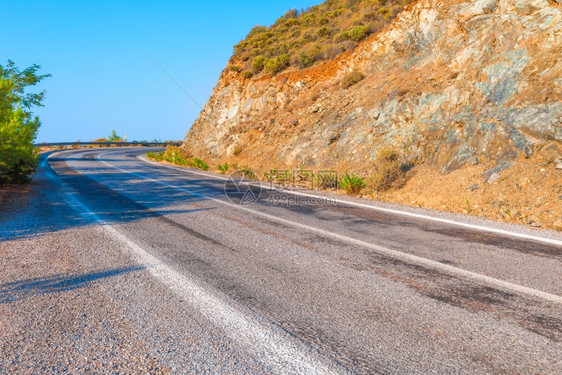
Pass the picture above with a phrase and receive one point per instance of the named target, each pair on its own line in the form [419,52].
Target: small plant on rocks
[223,168]
[246,171]
[352,78]
[352,184]
[238,151]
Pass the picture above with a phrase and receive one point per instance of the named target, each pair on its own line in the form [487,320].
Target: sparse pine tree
[113,137]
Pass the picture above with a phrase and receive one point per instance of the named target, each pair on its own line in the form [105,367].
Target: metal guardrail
[121,144]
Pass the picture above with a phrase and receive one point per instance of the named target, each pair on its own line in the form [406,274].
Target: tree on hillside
[18,126]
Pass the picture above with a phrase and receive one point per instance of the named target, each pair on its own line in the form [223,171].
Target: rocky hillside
[449,83]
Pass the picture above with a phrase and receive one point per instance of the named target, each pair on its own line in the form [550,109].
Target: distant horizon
[100,56]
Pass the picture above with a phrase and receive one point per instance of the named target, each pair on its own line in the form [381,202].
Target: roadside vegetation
[303,38]
[245,171]
[390,171]
[177,155]
[352,184]
[352,78]
[18,126]
[223,168]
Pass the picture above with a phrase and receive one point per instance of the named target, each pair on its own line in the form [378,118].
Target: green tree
[113,137]
[18,126]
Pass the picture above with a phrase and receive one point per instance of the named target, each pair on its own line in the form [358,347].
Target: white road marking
[268,343]
[481,228]
[452,270]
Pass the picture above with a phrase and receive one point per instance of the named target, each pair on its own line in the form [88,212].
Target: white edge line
[267,342]
[481,228]
[452,270]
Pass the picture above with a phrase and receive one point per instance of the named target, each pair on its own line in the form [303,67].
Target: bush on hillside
[389,171]
[277,64]
[258,63]
[352,78]
[336,25]
[359,33]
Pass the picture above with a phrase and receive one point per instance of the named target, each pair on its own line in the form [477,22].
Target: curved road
[112,263]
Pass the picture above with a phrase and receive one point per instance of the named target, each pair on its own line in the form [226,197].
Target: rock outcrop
[448,83]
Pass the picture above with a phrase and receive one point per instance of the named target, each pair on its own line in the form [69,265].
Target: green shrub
[158,156]
[247,74]
[246,171]
[359,33]
[310,54]
[324,31]
[305,61]
[269,176]
[258,63]
[349,20]
[277,64]
[343,36]
[223,168]
[235,68]
[177,155]
[383,10]
[197,163]
[257,30]
[389,171]
[352,184]
[113,137]
[18,126]
[352,78]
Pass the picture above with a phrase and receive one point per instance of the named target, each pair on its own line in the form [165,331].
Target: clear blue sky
[97,52]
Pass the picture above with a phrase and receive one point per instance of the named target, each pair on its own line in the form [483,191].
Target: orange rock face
[446,83]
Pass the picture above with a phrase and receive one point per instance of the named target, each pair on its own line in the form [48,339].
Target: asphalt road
[111,264]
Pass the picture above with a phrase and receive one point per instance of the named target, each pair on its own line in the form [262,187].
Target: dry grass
[352,78]
[389,172]
[528,193]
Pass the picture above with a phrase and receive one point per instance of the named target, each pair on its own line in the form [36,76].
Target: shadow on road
[22,289]
[40,208]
